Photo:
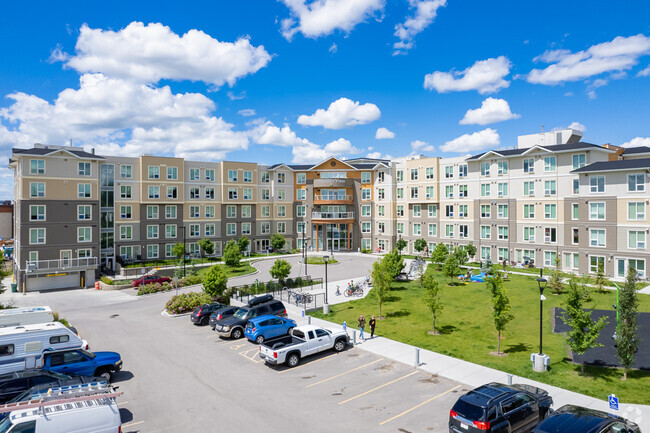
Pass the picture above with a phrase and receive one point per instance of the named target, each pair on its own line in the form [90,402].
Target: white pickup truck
[303,341]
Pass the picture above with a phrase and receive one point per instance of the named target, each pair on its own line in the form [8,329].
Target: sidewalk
[475,375]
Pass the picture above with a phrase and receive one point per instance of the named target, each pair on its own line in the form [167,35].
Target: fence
[281,291]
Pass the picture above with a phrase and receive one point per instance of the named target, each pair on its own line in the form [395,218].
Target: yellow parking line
[379,387]
[131,424]
[310,363]
[343,374]
[419,405]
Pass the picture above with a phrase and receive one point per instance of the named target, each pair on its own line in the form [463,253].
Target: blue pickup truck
[83,363]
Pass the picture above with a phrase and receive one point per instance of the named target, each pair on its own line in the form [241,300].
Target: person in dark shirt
[372,327]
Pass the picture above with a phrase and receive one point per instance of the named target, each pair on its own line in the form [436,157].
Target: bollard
[417,357]
[96,285]
[509,378]
[309,320]
[354,337]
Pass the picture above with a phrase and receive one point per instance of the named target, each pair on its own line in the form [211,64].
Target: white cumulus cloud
[247,112]
[425,13]
[617,55]
[484,76]
[313,153]
[377,155]
[644,73]
[149,53]
[421,146]
[492,110]
[472,142]
[342,113]
[322,17]
[383,133]
[637,142]
[268,133]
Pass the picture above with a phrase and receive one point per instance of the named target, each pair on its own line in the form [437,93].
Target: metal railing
[244,293]
[332,215]
[333,197]
[58,264]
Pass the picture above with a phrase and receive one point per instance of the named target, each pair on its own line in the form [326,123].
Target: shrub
[186,302]
[289,282]
[190,280]
[105,280]
[298,282]
[154,288]
[365,251]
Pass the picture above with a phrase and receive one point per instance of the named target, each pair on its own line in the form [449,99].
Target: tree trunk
[434,323]
[624,374]
[499,343]
[380,309]
[582,368]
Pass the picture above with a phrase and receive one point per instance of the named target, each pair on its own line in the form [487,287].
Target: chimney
[92,150]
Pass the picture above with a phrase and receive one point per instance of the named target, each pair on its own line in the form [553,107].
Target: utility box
[540,362]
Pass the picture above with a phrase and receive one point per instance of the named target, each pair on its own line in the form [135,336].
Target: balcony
[326,183]
[332,216]
[333,199]
[79,263]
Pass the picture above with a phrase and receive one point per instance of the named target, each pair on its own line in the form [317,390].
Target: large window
[462,171]
[170,230]
[301,178]
[597,237]
[365,227]
[126,171]
[248,176]
[485,169]
[485,190]
[596,211]
[246,211]
[414,192]
[84,190]
[433,230]
[36,166]
[635,182]
[232,175]
[485,232]
[209,174]
[485,211]
[125,212]
[502,168]
[463,211]
[529,234]
[429,173]
[172,173]
[152,232]
[83,168]
[365,210]
[125,192]
[636,211]
[84,234]
[282,211]
[529,211]
[170,212]
[502,189]
[550,163]
[154,172]
[152,251]
[365,177]
[245,229]
[266,176]
[502,211]
[449,172]
[36,236]
[529,188]
[597,183]
[636,239]
[195,211]
[36,189]
[550,187]
[365,193]
[172,192]
[550,211]
[596,262]
[529,165]
[550,234]
[232,193]
[37,213]
[414,174]
[449,191]
[579,160]
[549,258]
[502,233]
[152,212]
[154,192]
[83,212]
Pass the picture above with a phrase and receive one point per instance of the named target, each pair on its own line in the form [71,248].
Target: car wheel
[236,333]
[104,374]
[205,321]
[259,339]
[293,360]
[339,345]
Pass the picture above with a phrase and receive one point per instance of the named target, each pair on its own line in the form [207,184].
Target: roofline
[611,169]
[537,146]
[20,154]
[333,157]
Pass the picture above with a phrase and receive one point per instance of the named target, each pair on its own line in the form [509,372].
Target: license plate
[464,426]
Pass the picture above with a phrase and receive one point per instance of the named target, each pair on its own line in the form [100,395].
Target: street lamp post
[540,361]
[184,251]
[326,307]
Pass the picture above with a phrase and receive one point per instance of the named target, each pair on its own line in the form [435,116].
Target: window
[209,193]
[575,211]
[433,211]
[463,211]
[575,236]
[195,211]
[381,211]
[502,233]
[300,227]
[550,211]
[365,177]
[597,183]
[429,191]
[529,188]
[549,163]
[83,212]
[485,211]
[195,173]
[502,168]
[485,232]
[195,193]
[449,191]
[84,234]
[266,177]
[265,228]
[246,211]
[152,232]
[84,168]
[462,191]
[365,210]
[231,211]
[154,191]
[36,189]
[232,175]
[381,227]
[282,211]
[529,211]
[248,176]
[152,212]
[579,160]
[549,187]
[301,178]
[576,186]
[635,183]
[529,234]
[125,191]
[485,190]
[549,258]
[462,171]
[37,213]
[84,190]
[529,165]
[232,193]
[282,177]
[209,174]
[169,250]
[550,234]
[400,176]
[125,171]
[266,194]
[172,192]
[125,212]
[449,230]
[429,173]
[248,194]
[301,194]
[502,189]
[485,253]
[301,211]
[502,254]
[485,169]
[152,251]
[36,236]
[502,211]
[365,193]
[636,239]
[195,230]
[266,211]
[170,230]
[571,260]
[366,244]
[596,211]
[433,230]
[36,166]
[245,229]
[154,172]
[636,211]
[417,229]
[170,212]
[414,174]
[365,227]
[596,262]
[282,227]
[638,265]
[417,210]
[597,237]
[449,211]
[380,194]
[399,193]
[449,172]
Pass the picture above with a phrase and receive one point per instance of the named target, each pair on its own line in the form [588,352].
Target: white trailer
[22,347]
[25,316]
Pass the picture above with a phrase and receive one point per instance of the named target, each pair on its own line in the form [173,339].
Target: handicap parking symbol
[613,402]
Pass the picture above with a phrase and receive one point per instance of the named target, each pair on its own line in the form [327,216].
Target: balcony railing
[60,264]
[333,197]
[332,215]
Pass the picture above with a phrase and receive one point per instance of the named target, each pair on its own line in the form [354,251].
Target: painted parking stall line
[344,373]
[379,387]
[419,405]
[307,364]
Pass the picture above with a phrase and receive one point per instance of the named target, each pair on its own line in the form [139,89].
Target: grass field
[316,260]
[467,332]
[243,269]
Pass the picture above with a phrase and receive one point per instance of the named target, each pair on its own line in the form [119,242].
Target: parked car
[234,326]
[500,408]
[576,419]
[201,315]
[222,313]
[14,384]
[101,364]
[268,326]
[148,279]
[303,341]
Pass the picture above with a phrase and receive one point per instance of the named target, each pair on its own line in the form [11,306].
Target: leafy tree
[243,244]
[584,330]
[500,310]
[471,250]
[394,263]
[231,254]
[600,277]
[179,250]
[215,282]
[555,282]
[494,283]
[206,246]
[431,297]
[450,268]
[280,269]
[627,334]
[461,255]
[439,254]
[277,241]
[193,271]
[584,287]
[381,279]
[400,245]
[420,245]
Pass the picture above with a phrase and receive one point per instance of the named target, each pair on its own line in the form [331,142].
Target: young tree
[584,330]
[461,255]
[206,246]
[555,282]
[280,269]
[439,254]
[627,338]
[277,241]
[231,254]
[500,311]
[450,268]
[584,287]
[600,278]
[243,244]
[215,282]
[420,245]
[431,297]
[179,250]
[381,279]
[394,263]
[494,283]
[400,245]
[471,250]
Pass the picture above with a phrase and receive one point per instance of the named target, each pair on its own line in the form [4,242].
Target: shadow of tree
[519,347]
[401,313]
[393,298]
[446,329]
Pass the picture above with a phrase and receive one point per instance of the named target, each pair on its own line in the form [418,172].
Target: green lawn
[243,269]
[467,332]
[316,260]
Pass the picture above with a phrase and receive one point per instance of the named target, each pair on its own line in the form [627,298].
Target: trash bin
[14,287]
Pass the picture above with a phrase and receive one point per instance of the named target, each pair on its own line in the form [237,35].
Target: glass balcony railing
[333,197]
[60,264]
[332,215]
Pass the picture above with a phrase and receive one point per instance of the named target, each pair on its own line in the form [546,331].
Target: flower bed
[186,302]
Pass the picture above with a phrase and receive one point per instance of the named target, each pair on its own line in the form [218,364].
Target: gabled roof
[618,165]
[554,148]
[42,151]
[636,150]
[357,164]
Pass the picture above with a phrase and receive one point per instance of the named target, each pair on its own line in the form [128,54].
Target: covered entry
[60,280]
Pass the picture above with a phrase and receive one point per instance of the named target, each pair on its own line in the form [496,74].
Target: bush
[365,251]
[298,282]
[190,280]
[289,282]
[105,280]
[154,288]
[186,302]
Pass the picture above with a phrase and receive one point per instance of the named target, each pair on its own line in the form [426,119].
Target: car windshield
[241,313]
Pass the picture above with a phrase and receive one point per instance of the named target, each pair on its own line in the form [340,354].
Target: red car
[148,279]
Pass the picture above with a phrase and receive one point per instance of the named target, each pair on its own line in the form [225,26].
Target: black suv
[220,314]
[234,326]
[13,384]
[578,419]
[201,315]
[500,408]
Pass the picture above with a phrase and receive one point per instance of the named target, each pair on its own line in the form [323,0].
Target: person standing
[372,327]
[362,325]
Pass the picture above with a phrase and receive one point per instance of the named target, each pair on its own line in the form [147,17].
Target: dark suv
[201,315]
[234,326]
[220,314]
[578,419]
[13,384]
[500,408]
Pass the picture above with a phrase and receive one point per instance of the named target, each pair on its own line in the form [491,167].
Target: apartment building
[551,197]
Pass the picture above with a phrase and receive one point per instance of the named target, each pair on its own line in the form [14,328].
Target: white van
[25,316]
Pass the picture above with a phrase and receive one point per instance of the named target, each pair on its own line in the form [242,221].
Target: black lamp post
[541,282]
[326,259]
[184,251]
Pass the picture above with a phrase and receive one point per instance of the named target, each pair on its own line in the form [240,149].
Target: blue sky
[297,81]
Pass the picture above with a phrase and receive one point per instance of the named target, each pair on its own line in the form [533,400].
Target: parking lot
[179,377]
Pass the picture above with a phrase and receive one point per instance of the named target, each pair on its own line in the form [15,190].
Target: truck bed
[282,342]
